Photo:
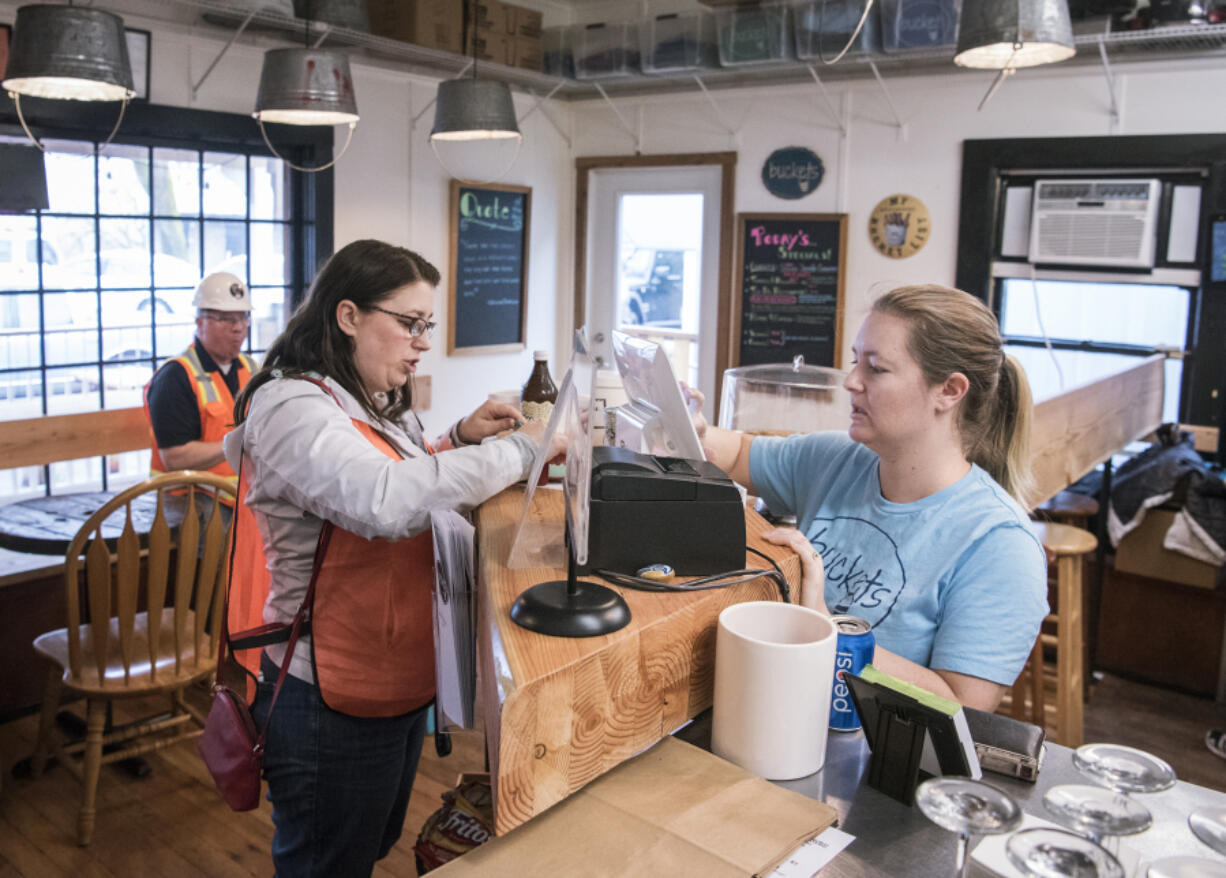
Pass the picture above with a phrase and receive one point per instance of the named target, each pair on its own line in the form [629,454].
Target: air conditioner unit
[1095,222]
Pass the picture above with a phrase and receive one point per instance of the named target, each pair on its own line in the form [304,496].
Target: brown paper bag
[674,810]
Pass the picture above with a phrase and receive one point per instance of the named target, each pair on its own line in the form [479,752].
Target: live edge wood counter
[561,711]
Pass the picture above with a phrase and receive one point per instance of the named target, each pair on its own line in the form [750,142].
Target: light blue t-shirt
[956,581]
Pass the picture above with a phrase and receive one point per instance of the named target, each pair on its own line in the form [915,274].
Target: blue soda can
[853,651]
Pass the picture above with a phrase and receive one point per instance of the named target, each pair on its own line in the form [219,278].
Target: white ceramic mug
[774,668]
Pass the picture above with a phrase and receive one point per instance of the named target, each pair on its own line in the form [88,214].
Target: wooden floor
[173,824]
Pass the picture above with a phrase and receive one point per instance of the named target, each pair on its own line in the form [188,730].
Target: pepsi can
[853,651]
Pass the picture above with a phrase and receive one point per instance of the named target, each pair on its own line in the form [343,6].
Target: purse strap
[261,635]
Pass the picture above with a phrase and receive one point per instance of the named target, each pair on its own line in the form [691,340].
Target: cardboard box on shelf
[494,15]
[525,22]
[529,53]
[1142,552]
[435,24]
[496,47]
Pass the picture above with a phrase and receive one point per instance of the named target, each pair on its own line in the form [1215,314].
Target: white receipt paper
[810,857]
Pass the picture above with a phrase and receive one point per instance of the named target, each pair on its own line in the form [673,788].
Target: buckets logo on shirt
[864,574]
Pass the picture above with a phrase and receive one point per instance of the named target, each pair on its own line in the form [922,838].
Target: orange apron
[215,402]
[372,642]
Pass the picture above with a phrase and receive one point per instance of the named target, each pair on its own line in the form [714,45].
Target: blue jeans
[339,785]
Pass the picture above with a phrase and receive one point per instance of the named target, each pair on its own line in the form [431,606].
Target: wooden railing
[39,441]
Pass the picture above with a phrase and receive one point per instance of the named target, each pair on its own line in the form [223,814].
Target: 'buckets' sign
[792,172]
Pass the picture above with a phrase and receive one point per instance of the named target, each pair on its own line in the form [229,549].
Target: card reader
[663,510]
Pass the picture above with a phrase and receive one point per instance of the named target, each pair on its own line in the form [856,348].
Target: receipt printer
[663,510]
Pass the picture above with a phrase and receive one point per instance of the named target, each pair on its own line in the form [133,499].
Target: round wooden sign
[899,226]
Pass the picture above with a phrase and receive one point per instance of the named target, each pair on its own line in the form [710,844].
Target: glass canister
[777,399]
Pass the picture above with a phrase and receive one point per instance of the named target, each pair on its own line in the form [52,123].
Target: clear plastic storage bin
[678,41]
[753,34]
[558,57]
[919,25]
[605,49]
[823,27]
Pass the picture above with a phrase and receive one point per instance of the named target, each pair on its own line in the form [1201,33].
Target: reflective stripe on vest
[372,639]
[214,401]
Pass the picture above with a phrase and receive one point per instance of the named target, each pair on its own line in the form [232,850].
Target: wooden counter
[560,711]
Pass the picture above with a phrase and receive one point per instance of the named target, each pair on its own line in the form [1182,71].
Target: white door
[653,264]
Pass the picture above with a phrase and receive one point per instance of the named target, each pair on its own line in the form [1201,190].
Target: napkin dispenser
[663,510]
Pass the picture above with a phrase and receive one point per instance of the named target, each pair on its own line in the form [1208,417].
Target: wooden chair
[1068,545]
[146,632]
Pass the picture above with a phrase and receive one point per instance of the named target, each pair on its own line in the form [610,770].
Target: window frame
[310,195]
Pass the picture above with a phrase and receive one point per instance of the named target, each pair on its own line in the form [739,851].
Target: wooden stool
[1068,507]
[1068,545]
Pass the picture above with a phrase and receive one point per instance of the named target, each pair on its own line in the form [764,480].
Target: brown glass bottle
[540,393]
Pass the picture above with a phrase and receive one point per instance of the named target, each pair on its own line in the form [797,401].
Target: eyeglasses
[414,326]
[233,318]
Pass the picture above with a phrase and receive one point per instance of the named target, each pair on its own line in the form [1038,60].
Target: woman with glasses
[189,401]
[337,486]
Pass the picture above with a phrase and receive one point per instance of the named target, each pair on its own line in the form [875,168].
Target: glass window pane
[18,253]
[225,248]
[658,277]
[125,470]
[70,476]
[175,330]
[22,483]
[176,182]
[20,335]
[269,189]
[176,253]
[70,176]
[77,341]
[269,309]
[123,180]
[1134,314]
[225,184]
[71,243]
[125,384]
[124,253]
[268,245]
[127,324]
[73,389]
[21,395]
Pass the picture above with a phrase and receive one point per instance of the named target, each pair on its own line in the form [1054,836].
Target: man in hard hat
[190,400]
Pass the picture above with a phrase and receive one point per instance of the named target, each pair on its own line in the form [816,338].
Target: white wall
[877,159]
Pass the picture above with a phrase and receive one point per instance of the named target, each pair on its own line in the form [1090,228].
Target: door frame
[727,230]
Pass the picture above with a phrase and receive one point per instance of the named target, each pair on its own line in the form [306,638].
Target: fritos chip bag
[465,821]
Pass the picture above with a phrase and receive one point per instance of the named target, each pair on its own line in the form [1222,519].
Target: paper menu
[455,617]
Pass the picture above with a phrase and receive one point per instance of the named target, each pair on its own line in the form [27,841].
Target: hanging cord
[1038,315]
[26,128]
[337,158]
[715,580]
[821,29]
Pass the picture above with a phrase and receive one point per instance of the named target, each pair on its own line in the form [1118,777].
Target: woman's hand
[694,398]
[812,571]
[535,430]
[489,419]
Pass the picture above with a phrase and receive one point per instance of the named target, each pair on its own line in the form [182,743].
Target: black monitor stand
[570,607]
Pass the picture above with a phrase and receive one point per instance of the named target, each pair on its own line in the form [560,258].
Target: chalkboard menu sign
[489,267]
[790,277]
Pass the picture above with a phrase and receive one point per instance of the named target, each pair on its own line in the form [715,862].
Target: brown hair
[366,273]
[952,331]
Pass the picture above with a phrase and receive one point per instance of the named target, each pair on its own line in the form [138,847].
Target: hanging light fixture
[308,86]
[69,53]
[1007,34]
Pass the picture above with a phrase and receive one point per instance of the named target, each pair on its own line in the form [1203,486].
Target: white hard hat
[222,291]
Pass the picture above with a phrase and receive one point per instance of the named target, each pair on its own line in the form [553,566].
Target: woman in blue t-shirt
[917,512]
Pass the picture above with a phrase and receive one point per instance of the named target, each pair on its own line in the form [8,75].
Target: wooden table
[559,711]
[46,525]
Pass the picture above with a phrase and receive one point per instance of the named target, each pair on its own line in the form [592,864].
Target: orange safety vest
[372,640]
[215,402]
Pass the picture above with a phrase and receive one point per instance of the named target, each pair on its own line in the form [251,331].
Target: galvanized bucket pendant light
[1007,34]
[306,87]
[471,109]
[68,53]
